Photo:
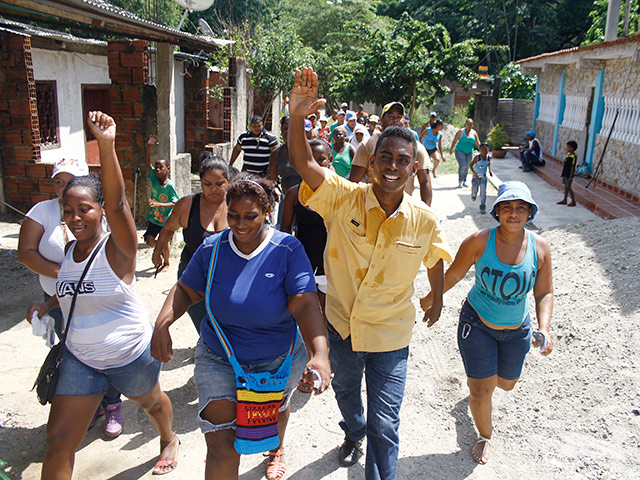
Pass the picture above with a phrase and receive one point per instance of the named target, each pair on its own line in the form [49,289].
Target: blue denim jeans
[464,159]
[112,395]
[479,184]
[385,375]
[529,160]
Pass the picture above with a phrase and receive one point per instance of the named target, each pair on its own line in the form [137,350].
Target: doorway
[94,97]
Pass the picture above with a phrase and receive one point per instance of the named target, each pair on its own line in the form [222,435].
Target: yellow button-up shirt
[371,261]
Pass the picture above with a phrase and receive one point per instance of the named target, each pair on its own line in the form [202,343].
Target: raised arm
[303,101]
[124,239]
[153,140]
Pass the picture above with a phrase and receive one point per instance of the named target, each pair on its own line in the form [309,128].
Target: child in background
[479,167]
[568,170]
[163,198]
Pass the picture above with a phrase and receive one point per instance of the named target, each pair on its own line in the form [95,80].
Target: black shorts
[431,150]
[566,181]
[152,230]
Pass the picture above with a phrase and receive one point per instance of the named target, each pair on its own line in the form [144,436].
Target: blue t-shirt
[430,141]
[249,294]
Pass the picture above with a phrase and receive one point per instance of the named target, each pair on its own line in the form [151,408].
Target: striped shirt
[256,151]
[110,327]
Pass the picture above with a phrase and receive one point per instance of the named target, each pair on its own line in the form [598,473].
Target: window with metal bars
[47,99]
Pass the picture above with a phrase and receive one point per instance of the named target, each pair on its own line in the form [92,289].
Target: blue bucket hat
[514,191]
[531,132]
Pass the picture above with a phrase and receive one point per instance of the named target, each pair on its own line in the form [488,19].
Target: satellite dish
[195,5]
[205,28]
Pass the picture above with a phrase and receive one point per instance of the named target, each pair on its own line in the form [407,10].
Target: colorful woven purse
[258,395]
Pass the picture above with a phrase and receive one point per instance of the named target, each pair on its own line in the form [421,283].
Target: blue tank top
[430,141]
[500,292]
[480,167]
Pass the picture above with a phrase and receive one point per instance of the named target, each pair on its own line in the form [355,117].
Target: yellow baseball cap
[390,105]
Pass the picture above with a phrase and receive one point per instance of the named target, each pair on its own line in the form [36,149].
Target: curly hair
[258,188]
[91,183]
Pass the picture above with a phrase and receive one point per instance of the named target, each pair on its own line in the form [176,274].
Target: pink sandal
[276,468]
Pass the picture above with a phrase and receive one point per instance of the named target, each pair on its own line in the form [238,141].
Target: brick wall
[134,108]
[25,180]
[199,128]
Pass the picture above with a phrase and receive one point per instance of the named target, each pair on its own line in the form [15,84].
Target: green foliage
[526,27]
[598,17]
[497,138]
[514,84]
[458,117]
[277,52]
[168,14]
[409,63]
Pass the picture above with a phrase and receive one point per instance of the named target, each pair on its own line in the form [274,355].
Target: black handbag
[45,384]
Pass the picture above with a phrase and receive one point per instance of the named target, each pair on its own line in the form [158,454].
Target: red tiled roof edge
[584,48]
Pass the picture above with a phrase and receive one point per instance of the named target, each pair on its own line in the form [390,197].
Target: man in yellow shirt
[377,238]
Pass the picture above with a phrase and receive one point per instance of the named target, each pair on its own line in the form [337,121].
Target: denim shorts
[216,380]
[133,380]
[486,351]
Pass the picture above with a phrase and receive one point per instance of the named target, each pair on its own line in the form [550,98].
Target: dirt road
[569,417]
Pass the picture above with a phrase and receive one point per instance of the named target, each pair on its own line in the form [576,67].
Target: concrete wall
[621,80]
[178,86]
[70,70]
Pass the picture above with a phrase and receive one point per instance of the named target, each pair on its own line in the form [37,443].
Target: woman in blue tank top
[494,331]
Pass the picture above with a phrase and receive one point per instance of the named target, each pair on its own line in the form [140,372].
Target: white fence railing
[575,112]
[548,108]
[627,128]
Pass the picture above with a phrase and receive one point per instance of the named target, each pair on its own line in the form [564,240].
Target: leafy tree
[409,64]
[514,84]
[168,12]
[598,18]
[276,53]
[526,27]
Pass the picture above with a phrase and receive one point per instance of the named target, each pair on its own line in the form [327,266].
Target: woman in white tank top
[110,332]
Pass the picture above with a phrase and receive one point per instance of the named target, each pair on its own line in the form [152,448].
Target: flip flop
[163,463]
[304,386]
[487,441]
[276,468]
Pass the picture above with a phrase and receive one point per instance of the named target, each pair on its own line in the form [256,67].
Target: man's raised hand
[303,100]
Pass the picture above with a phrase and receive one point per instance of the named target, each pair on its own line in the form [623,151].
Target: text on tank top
[499,294]
[110,327]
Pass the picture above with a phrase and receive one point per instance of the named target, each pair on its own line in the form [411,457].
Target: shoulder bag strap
[226,345]
[75,293]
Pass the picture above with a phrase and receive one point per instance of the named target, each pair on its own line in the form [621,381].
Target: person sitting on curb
[531,154]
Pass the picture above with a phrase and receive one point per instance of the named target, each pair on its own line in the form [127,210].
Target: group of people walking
[275,312]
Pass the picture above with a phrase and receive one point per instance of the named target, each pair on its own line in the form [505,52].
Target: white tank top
[110,327]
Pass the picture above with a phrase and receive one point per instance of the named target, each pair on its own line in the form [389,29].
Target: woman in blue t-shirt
[494,332]
[262,290]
